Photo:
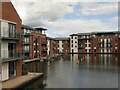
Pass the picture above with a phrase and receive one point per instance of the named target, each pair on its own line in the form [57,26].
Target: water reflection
[79,71]
[100,59]
[92,71]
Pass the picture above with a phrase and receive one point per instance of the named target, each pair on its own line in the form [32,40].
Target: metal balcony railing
[10,54]
[44,42]
[5,33]
[44,49]
[25,41]
[80,46]
[25,51]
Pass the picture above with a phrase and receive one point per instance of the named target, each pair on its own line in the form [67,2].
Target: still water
[80,71]
[83,71]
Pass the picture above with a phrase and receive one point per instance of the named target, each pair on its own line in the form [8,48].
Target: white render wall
[60,46]
[4,29]
[4,49]
[87,48]
[5,74]
[105,46]
[48,47]
[75,45]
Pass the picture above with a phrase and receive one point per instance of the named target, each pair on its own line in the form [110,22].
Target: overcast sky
[65,18]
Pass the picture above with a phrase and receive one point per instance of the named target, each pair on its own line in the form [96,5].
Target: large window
[12,29]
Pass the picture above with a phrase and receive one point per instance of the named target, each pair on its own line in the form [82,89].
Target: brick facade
[8,15]
[97,42]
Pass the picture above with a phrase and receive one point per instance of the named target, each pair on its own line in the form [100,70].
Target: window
[75,37]
[89,45]
[72,41]
[72,45]
[75,41]
[72,51]
[71,37]
[12,69]
[94,50]
[12,29]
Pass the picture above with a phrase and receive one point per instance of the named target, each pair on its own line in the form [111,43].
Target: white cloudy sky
[65,18]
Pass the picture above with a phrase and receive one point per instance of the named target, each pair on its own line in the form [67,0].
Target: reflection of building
[34,43]
[100,59]
[62,45]
[95,42]
[10,29]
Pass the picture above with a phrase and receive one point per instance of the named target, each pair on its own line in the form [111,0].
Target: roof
[27,27]
[50,38]
[73,34]
[83,33]
[62,38]
[110,32]
[41,28]
[80,34]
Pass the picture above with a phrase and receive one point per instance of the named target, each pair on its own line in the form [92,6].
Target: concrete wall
[87,46]
[75,44]
[4,49]
[60,46]
[4,29]
[5,74]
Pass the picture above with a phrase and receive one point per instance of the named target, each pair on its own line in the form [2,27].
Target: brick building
[95,42]
[10,29]
[34,42]
[50,47]
[62,45]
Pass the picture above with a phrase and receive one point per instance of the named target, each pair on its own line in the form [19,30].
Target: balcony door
[11,49]
[12,69]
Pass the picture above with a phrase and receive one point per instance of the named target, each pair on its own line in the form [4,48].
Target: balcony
[109,42]
[44,42]
[26,57]
[10,55]
[80,38]
[25,42]
[44,49]
[26,33]
[80,46]
[25,51]
[6,35]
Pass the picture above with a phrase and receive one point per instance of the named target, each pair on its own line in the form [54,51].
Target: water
[82,71]
[93,71]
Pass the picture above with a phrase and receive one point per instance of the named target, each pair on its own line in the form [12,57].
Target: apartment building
[34,42]
[95,42]
[105,42]
[10,30]
[50,46]
[42,42]
[62,45]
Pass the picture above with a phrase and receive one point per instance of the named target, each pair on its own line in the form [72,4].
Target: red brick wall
[9,13]
[51,46]
[56,46]
[19,68]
